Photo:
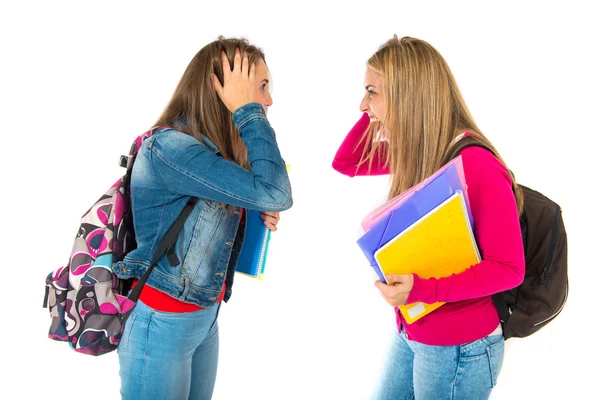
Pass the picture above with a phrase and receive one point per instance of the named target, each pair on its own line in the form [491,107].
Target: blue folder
[432,194]
[253,256]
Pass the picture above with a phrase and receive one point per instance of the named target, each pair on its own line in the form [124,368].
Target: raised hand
[238,87]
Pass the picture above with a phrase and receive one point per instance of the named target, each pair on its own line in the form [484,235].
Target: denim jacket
[172,166]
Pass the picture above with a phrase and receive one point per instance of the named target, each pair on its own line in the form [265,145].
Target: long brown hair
[196,102]
[424,112]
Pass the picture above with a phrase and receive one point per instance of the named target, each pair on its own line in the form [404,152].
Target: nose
[364,105]
[268,100]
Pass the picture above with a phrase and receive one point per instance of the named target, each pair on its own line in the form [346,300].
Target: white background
[79,81]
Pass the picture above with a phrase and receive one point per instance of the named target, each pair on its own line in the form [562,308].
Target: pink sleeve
[497,232]
[347,157]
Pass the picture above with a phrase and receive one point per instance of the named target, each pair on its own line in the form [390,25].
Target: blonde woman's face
[373,102]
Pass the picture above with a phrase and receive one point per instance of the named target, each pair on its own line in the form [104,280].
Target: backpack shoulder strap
[463,143]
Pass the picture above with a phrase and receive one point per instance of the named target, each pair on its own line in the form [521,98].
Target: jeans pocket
[495,353]
[480,363]
[124,342]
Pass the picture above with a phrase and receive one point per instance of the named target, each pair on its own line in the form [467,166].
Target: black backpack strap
[166,243]
[172,257]
[461,144]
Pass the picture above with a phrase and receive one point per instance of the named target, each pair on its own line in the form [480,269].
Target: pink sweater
[470,313]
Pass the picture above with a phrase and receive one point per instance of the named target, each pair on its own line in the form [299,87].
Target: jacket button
[123,269]
[212,298]
[228,244]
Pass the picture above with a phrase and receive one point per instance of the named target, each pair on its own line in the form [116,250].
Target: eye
[371,93]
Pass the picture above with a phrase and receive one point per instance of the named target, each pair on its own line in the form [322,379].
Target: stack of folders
[427,230]
[253,256]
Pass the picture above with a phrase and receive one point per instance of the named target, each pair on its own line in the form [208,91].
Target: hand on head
[238,87]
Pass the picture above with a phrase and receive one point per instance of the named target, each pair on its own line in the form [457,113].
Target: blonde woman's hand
[271,219]
[238,87]
[397,291]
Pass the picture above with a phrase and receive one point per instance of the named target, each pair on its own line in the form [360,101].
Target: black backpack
[543,293]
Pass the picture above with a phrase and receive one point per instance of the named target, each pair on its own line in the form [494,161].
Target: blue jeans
[169,355]
[419,371]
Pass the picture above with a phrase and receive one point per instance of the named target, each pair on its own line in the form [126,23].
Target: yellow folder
[439,244]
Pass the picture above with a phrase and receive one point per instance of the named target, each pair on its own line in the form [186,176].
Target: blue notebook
[431,195]
[253,256]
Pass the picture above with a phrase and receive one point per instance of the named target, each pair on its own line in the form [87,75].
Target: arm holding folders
[497,234]
[439,244]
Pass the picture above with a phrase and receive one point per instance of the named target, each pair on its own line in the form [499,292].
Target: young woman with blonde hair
[215,144]
[413,114]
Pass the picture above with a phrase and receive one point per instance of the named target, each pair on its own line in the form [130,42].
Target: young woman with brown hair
[214,144]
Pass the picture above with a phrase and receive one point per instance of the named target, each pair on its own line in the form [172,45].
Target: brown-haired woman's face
[263,95]
[373,101]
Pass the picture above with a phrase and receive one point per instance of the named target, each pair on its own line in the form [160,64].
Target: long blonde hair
[424,112]
[195,107]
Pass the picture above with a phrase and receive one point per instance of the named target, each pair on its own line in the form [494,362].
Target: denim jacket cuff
[247,113]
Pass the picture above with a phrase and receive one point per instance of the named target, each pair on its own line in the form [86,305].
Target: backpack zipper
[559,310]
[550,255]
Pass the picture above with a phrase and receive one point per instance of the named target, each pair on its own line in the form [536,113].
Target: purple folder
[375,216]
[432,194]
